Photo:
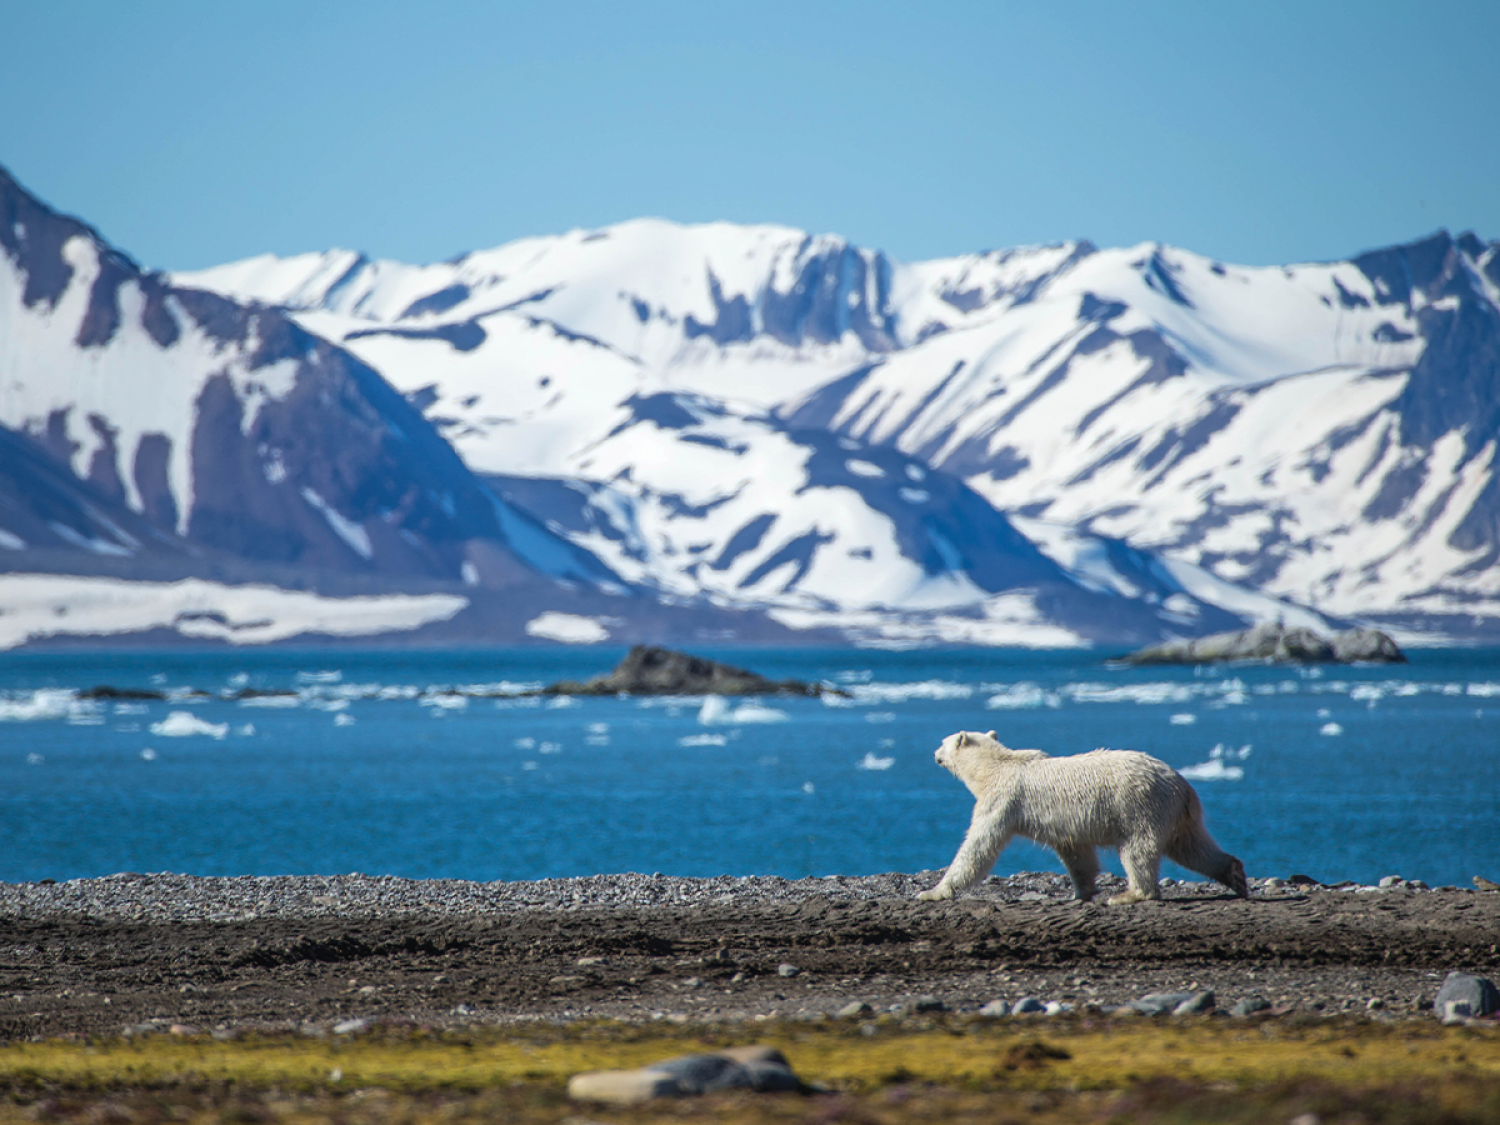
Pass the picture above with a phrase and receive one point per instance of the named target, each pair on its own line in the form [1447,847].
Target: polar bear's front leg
[985,840]
[1082,862]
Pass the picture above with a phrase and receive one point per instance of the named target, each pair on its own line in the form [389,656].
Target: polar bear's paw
[1236,880]
[1125,898]
[939,893]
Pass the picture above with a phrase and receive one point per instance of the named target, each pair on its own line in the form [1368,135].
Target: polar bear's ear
[963,738]
[990,734]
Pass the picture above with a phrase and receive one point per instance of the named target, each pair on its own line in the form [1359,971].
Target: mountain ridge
[793,436]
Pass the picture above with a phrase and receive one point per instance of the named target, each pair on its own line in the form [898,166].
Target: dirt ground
[1318,950]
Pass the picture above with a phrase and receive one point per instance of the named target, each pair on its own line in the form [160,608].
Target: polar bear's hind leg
[1141,858]
[1195,849]
[1082,863]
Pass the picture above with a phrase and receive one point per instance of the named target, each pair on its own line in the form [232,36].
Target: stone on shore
[1249,1006]
[1155,1003]
[648,670]
[1272,641]
[1196,1004]
[763,1069]
[1464,994]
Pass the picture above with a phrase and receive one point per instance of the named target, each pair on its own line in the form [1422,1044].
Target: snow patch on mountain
[45,605]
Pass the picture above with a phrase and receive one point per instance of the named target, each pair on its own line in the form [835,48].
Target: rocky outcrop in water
[1276,643]
[648,670]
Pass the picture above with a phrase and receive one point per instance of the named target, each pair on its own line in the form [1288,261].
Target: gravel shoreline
[168,897]
[98,956]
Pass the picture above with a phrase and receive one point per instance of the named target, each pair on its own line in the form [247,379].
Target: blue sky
[195,133]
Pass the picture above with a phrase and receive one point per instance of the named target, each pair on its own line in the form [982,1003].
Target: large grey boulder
[737,1068]
[1465,991]
[1155,1003]
[1273,641]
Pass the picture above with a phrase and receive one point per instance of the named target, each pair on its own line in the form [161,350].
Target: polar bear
[1105,798]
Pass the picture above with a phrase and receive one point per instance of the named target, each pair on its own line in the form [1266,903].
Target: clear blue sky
[195,133]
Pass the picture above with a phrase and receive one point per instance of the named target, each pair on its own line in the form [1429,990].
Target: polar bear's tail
[1192,847]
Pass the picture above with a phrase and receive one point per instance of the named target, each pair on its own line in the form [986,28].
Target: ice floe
[185,724]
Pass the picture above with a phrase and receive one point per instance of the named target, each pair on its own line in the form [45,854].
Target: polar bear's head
[964,746]
[975,758]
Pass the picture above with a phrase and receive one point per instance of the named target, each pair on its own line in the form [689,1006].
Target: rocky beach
[131,954]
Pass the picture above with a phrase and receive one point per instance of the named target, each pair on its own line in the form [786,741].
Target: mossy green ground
[947,1070]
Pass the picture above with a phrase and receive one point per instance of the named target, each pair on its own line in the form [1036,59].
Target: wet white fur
[1106,798]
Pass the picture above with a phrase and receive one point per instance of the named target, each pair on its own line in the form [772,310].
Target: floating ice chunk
[753,712]
[871,762]
[524,743]
[330,677]
[1019,697]
[248,730]
[34,759]
[183,724]
[1212,770]
[343,720]
[272,701]
[1132,693]
[703,740]
[809,787]
[148,755]
[561,703]
[48,703]
[922,689]
[1183,720]
[445,701]
[716,709]
[881,717]
[1330,729]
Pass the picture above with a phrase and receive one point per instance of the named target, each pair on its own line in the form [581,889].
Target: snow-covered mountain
[1321,434]
[657,432]
[1324,433]
[209,448]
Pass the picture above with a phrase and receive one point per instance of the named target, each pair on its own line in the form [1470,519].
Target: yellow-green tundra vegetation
[1066,1069]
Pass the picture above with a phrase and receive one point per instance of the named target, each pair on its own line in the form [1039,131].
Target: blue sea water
[395,762]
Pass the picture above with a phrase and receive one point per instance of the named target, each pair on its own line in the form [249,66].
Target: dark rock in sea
[648,670]
[106,691]
[1366,646]
[1276,643]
